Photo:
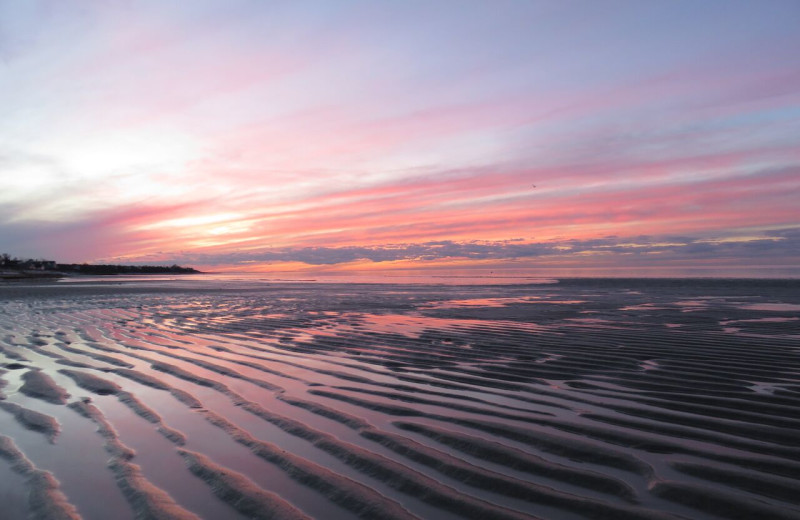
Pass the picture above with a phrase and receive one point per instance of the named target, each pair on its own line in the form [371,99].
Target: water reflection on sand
[579,399]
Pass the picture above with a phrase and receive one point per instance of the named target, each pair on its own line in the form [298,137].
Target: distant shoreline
[13,276]
[12,268]
[246,280]
[25,276]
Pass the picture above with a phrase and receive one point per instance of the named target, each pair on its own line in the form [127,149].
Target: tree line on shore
[7,262]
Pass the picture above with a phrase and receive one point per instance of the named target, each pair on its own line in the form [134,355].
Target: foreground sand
[583,399]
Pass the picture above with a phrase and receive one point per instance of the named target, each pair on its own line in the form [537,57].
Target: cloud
[775,245]
[459,211]
[320,135]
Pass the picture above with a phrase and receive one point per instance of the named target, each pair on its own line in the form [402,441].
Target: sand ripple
[585,399]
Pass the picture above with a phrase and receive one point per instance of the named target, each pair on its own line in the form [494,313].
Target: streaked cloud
[773,247]
[323,133]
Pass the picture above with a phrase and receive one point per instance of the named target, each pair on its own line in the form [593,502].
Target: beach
[552,399]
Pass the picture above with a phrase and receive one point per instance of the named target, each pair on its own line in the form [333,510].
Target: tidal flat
[567,399]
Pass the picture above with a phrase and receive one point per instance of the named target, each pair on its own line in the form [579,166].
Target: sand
[45,499]
[33,420]
[38,384]
[239,491]
[596,399]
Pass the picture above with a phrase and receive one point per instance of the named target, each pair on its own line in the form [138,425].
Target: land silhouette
[13,267]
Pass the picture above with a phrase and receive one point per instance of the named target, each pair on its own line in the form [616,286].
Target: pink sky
[363,136]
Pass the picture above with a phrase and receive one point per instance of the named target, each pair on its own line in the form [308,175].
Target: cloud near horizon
[773,248]
[233,133]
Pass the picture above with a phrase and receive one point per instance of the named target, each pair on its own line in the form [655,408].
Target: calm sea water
[452,277]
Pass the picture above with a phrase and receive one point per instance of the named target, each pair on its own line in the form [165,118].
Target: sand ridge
[585,399]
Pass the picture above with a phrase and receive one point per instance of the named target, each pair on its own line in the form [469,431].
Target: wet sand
[598,399]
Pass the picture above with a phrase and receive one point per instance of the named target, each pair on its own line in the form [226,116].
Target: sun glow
[257,134]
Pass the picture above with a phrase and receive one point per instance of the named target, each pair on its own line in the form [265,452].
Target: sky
[345,136]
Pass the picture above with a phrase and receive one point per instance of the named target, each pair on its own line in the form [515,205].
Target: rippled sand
[597,399]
